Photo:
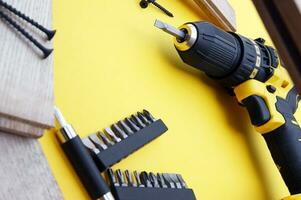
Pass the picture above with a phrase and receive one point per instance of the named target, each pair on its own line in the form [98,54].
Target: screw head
[143,4]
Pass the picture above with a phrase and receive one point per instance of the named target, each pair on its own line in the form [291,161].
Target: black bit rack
[123,138]
[148,186]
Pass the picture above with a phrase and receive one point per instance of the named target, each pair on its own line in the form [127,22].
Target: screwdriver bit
[129,178]
[106,140]
[180,178]
[161,180]
[168,181]
[132,125]
[153,179]
[145,179]
[149,116]
[137,121]
[112,135]
[175,179]
[89,145]
[120,177]
[121,134]
[97,142]
[179,34]
[112,177]
[125,127]
[138,180]
[143,118]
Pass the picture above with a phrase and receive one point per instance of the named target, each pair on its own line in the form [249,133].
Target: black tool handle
[85,168]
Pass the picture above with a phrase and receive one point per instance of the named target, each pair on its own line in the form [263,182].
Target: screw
[144,4]
[49,33]
[45,51]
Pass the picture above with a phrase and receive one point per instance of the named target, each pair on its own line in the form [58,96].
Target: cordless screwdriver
[252,70]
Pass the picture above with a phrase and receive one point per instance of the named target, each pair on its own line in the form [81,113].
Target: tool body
[252,70]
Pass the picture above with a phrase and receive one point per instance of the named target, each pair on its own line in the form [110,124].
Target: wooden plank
[24,172]
[26,83]
[220,11]
[282,20]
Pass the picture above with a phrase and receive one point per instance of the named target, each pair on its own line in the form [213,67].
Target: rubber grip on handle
[284,144]
[85,168]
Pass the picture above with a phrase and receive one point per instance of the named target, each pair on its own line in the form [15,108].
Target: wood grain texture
[220,12]
[26,83]
[24,172]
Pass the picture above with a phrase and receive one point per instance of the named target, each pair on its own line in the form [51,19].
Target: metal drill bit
[121,134]
[120,177]
[170,29]
[90,146]
[149,116]
[106,140]
[168,181]
[145,179]
[49,33]
[131,124]
[153,179]
[46,51]
[180,178]
[138,180]
[161,180]
[137,121]
[125,127]
[143,118]
[112,177]
[97,142]
[175,179]
[112,135]
[129,179]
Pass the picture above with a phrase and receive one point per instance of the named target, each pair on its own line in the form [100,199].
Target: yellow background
[110,62]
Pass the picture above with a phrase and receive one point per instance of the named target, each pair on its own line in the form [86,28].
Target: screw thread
[162,8]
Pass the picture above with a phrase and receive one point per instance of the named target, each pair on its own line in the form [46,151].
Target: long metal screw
[49,33]
[45,50]
[144,4]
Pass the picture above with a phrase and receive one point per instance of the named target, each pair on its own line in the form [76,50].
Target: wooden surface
[282,20]
[220,12]
[26,83]
[24,171]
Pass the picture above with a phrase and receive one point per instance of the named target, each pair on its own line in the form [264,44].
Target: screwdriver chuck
[227,57]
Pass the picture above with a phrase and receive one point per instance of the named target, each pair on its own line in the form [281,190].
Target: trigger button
[258,110]
[271,89]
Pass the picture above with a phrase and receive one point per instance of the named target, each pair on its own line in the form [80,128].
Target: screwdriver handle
[85,168]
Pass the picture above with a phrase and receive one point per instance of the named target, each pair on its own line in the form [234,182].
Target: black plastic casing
[137,193]
[114,154]
[85,168]
[228,57]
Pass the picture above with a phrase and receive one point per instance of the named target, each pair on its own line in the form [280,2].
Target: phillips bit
[132,125]
[119,131]
[129,178]
[138,180]
[143,118]
[125,127]
[170,30]
[175,179]
[153,179]
[161,180]
[97,142]
[120,177]
[137,121]
[145,179]
[168,181]
[180,178]
[90,146]
[112,177]
[106,140]
[149,116]
[112,135]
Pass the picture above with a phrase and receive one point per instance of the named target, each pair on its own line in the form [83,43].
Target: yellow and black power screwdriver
[253,71]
